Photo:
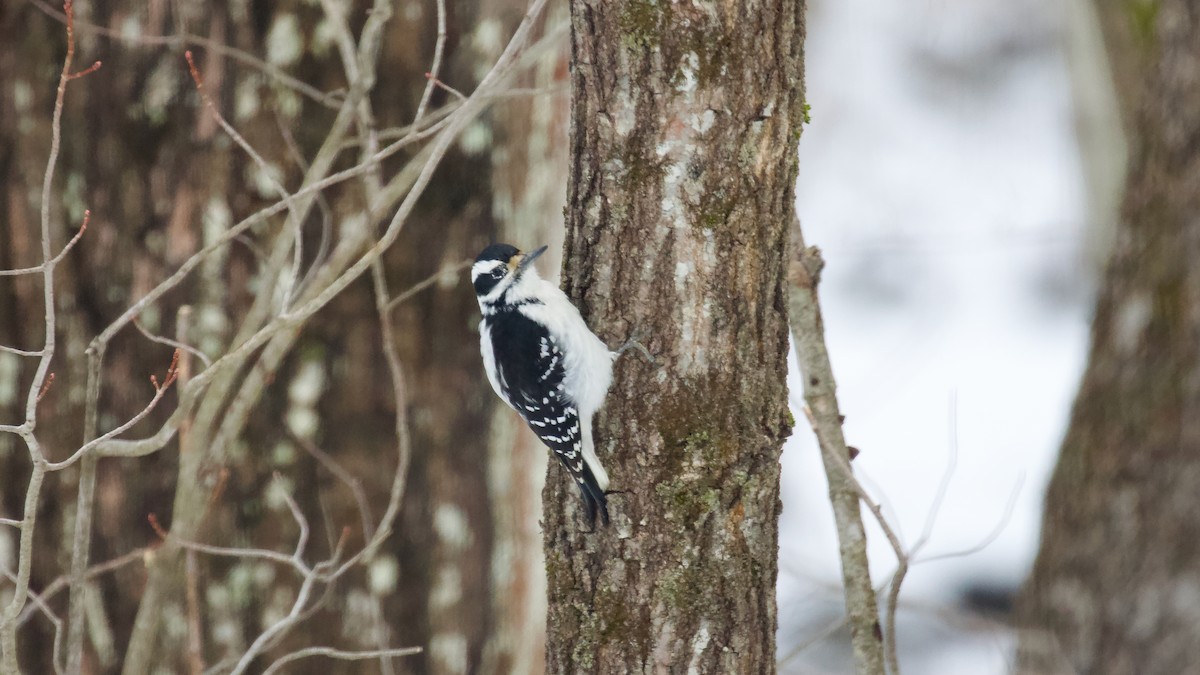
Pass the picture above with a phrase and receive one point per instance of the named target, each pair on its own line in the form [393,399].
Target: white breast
[588,361]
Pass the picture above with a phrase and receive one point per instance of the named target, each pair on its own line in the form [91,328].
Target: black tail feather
[594,499]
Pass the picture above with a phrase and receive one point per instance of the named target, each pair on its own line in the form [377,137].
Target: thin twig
[447,272]
[445,87]
[997,529]
[87,215]
[230,552]
[435,68]
[297,515]
[64,580]
[20,352]
[39,602]
[174,344]
[340,654]
[159,392]
[347,479]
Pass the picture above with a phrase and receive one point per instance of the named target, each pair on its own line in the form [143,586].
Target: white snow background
[940,176]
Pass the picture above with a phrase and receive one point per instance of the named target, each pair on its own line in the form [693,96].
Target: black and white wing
[529,373]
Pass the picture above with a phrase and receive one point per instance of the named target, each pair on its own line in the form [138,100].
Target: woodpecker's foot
[633,343]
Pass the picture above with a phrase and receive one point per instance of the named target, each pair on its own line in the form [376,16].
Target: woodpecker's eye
[498,273]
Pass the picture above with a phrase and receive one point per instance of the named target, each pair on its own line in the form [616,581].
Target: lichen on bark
[679,207]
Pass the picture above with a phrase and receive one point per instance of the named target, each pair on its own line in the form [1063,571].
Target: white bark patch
[305,389]
[10,370]
[22,96]
[8,555]
[285,44]
[488,41]
[1184,599]
[323,37]
[275,498]
[383,574]
[246,101]
[264,179]
[476,138]
[283,454]
[489,37]
[451,526]
[682,270]
[361,619]
[413,11]
[624,117]
[303,393]
[1131,320]
[687,72]
[303,422]
[663,648]
[160,91]
[287,102]
[449,651]
[699,644]
[131,28]
[447,588]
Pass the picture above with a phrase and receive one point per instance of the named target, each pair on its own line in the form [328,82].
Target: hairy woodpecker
[544,362]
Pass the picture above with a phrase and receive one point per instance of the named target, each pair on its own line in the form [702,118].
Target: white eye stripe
[485,267]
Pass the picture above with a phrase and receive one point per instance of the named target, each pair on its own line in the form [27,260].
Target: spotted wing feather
[530,374]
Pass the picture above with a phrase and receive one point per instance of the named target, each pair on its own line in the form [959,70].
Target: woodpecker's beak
[527,259]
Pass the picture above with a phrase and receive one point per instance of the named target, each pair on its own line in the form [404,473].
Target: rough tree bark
[683,138]
[1115,583]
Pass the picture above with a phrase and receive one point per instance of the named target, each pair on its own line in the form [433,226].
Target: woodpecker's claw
[633,343]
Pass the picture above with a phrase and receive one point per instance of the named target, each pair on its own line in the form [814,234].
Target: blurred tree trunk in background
[528,191]
[161,180]
[1116,585]
[683,137]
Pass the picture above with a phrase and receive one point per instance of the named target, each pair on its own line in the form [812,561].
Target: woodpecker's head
[500,268]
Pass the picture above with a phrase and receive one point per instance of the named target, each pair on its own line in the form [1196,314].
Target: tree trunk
[1115,583]
[683,139]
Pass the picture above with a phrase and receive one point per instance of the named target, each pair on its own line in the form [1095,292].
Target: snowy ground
[941,179]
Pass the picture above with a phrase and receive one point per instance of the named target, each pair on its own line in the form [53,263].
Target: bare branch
[160,390]
[40,268]
[39,602]
[820,393]
[991,536]
[446,273]
[339,654]
[230,552]
[63,581]
[297,515]
[175,344]
[436,68]
[348,479]
[20,352]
